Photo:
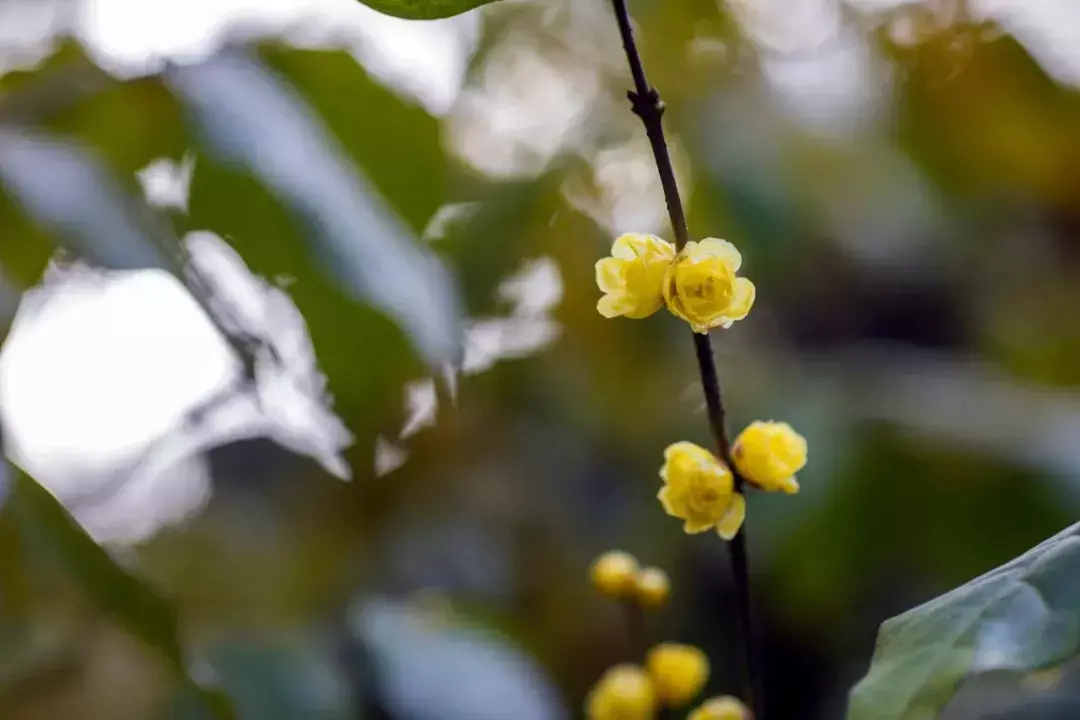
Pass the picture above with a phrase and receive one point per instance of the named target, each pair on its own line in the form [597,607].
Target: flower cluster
[699,488]
[698,284]
[672,674]
[617,575]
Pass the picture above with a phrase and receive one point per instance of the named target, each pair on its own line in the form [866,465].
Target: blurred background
[300,326]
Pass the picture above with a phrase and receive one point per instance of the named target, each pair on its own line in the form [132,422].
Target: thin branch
[646,104]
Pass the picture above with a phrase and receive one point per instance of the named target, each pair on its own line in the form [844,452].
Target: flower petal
[680,448]
[611,306]
[742,301]
[790,485]
[696,527]
[666,498]
[624,246]
[732,521]
[608,276]
[721,249]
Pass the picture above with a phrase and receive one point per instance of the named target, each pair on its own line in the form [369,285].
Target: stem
[646,104]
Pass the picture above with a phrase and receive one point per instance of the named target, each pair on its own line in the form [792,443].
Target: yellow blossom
[768,454]
[701,287]
[652,587]
[721,708]
[632,278]
[613,573]
[623,693]
[699,489]
[678,672]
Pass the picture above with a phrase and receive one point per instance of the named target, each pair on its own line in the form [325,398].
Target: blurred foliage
[917,268]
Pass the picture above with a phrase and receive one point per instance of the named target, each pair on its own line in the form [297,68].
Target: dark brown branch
[647,105]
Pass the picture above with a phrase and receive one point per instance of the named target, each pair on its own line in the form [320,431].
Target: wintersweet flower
[768,454]
[678,673]
[614,573]
[652,587]
[632,278]
[623,693]
[699,489]
[701,287]
[721,708]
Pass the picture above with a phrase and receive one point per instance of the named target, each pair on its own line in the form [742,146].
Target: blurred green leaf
[429,670]
[1001,695]
[65,190]
[424,9]
[136,606]
[255,121]
[274,679]
[1023,616]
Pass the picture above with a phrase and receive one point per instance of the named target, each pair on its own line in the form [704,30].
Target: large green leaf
[1019,618]
[424,9]
[42,521]
[254,121]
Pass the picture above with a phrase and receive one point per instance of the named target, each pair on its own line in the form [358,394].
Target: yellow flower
[699,489]
[633,277]
[768,454]
[613,573]
[623,693]
[701,287]
[652,587]
[721,708]
[678,672]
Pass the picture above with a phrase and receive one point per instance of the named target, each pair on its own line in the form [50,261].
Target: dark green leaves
[135,606]
[1018,619]
[424,9]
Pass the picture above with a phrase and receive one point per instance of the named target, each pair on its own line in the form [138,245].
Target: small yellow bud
[721,708]
[652,587]
[623,693]
[699,489]
[632,278]
[701,287]
[768,454]
[678,672]
[613,573]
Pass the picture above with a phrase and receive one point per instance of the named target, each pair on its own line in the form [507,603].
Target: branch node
[647,103]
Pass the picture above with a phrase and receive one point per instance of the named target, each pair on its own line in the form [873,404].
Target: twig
[647,105]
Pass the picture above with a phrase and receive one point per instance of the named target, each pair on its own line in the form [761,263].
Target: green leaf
[279,677]
[65,190]
[424,9]
[1019,618]
[254,121]
[137,607]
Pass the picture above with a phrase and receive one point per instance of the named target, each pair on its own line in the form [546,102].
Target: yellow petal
[608,276]
[694,527]
[790,485]
[729,524]
[626,246]
[667,499]
[742,301]
[682,447]
[611,306]
[722,249]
